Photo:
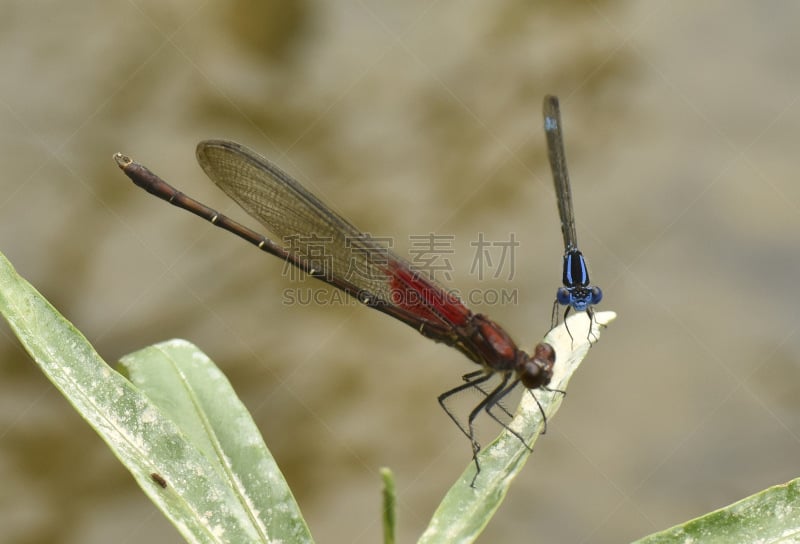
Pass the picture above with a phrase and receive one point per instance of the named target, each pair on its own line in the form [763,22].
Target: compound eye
[535,375]
[563,296]
[537,371]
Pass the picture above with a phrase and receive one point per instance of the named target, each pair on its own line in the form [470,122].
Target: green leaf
[465,510]
[389,506]
[194,394]
[769,517]
[192,447]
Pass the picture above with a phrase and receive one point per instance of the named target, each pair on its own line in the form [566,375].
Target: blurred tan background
[682,122]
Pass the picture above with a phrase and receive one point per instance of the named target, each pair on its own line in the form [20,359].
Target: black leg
[566,313]
[590,335]
[495,401]
[475,379]
[486,393]
[469,376]
[541,410]
[554,315]
[476,448]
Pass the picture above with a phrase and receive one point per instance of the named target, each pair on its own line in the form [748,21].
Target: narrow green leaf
[176,474]
[389,506]
[465,510]
[771,516]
